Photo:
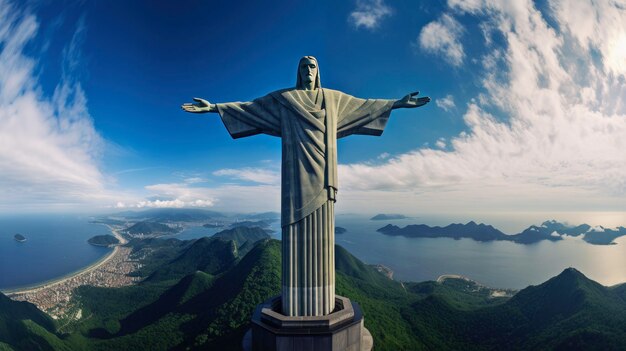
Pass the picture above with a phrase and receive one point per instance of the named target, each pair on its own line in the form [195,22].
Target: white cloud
[597,24]
[441,143]
[548,131]
[225,197]
[176,203]
[446,103]
[194,180]
[256,175]
[48,146]
[442,37]
[369,13]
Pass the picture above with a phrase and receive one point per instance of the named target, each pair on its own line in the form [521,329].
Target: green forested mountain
[24,327]
[103,240]
[148,228]
[241,234]
[191,301]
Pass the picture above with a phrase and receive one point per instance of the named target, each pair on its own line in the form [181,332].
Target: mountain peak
[571,272]
[570,279]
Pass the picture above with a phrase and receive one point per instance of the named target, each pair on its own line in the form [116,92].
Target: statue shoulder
[334,93]
[281,92]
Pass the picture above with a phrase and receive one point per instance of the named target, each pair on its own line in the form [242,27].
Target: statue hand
[410,101]
[202,106]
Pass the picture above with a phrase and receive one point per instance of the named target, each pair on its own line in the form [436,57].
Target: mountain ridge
[549,230]
[204,310]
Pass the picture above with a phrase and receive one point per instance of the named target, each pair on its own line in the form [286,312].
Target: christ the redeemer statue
[308,119]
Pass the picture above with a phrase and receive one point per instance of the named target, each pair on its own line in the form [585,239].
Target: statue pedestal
[338,331]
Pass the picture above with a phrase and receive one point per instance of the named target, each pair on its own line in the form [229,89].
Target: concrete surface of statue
[309,119]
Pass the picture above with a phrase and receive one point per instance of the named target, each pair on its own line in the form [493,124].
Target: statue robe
[309,127]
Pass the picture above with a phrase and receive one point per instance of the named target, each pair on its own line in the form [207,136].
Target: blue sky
[528,109]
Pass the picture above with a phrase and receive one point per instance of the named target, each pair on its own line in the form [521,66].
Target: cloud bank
[48,145]
[547,132]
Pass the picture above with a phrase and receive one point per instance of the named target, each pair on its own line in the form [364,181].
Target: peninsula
[103,240]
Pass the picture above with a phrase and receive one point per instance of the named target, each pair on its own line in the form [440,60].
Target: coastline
[64,278]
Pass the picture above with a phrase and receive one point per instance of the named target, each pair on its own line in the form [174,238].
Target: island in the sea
[19,237]
[549,230]
[103,240]
[340,230]
[387,217]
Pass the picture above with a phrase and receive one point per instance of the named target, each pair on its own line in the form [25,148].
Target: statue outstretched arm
[201,106]
[410,101]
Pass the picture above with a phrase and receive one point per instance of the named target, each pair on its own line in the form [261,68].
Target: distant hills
[271,216]
[549,230]
[183,215]
[149,228]
[171,215]
[243,234]
[385,217]
[260,224]
[200,294]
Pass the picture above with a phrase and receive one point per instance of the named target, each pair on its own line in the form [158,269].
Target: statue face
[308,70]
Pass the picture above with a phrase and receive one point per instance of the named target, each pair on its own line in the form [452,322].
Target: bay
[56,245]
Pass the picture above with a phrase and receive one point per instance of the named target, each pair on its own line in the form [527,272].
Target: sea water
[500,264]
[55,245]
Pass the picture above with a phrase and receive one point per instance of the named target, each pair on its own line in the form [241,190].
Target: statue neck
[309,86]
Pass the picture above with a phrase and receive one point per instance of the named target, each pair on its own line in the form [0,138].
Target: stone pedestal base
[342,330]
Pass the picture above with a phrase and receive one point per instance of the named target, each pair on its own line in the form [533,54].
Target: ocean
[499,264]
[57,245]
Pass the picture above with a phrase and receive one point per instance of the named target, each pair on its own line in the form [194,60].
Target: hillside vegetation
[201,294]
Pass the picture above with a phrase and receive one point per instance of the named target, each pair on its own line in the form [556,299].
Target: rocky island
[19,237]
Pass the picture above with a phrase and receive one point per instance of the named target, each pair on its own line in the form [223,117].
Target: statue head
[308,71]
